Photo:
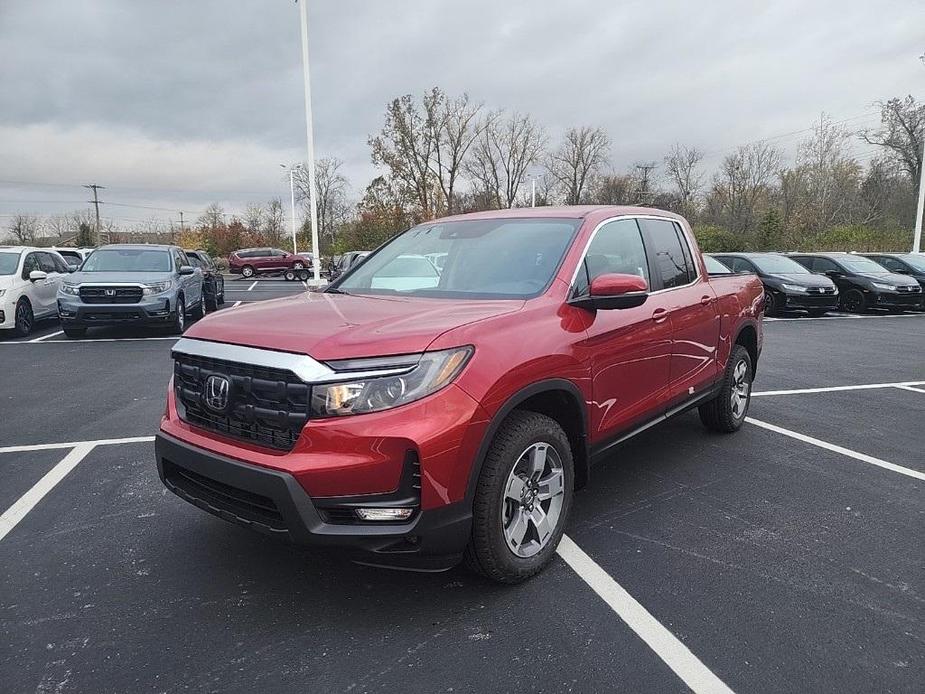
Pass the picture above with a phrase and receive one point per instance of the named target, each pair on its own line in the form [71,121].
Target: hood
[340,326]
[117,277]
[889,278]
[804,279]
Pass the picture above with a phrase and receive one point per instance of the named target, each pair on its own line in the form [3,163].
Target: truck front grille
[267,407]
[110,295]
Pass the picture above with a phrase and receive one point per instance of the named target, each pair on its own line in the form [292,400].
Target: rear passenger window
[824,265]
[617,248]
[46,262]
[671,263]
[741,265]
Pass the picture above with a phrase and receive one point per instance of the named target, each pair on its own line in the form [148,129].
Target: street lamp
[292,169]
[920,208]
[310,142]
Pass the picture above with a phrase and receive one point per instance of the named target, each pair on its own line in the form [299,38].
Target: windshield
[715,267]
[778,265]
[857,264]
[8,263]
[486,258]
[127,260]
[916,262]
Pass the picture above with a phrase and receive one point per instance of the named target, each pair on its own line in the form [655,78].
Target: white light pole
[313,203]
[532,192]
[292,170]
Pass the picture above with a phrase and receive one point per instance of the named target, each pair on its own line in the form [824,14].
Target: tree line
[440,155]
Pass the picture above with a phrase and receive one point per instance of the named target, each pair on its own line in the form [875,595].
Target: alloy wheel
[533,499]
[24,318]
[741,386]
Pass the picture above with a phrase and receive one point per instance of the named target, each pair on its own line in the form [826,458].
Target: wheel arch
[557,398]
[748,338]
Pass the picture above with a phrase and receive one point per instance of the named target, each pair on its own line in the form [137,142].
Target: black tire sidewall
[16,327]
[519,432]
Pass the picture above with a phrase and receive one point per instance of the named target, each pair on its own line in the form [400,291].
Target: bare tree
[331,184]
[213,217]
[831,175]
[406,147]
[504,151]
[616,189]
[253,218]
[273,218]
[578,159]
[24,228]
[901,133]
[456,127]
[681,165]
[742,181]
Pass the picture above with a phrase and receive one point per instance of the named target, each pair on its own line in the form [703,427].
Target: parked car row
[820,282]
[121,284]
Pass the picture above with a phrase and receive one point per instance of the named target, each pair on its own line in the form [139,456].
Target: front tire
[298,266]
[522,500]
[24,320]
[726,412]
[771,307]
[179,320]
[853,301]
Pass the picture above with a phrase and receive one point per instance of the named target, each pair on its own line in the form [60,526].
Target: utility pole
[643,189]
[181,221]
[96,203]
[310,141]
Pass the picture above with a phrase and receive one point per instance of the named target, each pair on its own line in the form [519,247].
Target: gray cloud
[206,96]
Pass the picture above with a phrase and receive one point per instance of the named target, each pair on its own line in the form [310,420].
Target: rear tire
[726,412]
[289,275]
[524,491]
[24,318]
[75,333]
[247,272]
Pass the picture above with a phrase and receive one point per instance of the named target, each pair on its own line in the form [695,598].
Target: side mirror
[37,275]
[614,291]
[187,270]
[73,268]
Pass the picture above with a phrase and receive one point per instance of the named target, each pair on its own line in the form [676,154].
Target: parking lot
[787,557]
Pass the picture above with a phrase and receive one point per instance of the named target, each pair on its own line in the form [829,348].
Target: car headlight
[72,289]
[432,372]
[155,287]
[884,287]
[794,288]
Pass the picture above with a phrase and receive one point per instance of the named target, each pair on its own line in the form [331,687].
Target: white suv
[29,280]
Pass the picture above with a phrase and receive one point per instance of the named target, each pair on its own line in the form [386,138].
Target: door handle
[659,314]
[706,300]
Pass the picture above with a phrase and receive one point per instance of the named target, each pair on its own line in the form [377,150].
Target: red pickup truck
[421,418]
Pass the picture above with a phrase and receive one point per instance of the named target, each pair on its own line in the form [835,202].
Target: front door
[629,350]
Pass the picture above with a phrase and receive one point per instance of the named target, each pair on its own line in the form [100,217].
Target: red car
[421,421]
[249,262]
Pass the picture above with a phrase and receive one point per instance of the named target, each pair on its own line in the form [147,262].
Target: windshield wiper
[336,290]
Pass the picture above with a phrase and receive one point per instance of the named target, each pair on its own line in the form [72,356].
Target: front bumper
[811,302]
[157,310]
[905,300]
[274,503]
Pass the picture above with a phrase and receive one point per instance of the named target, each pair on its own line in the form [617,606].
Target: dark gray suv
[126,284]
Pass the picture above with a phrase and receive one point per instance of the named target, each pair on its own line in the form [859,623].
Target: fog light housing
[384,514]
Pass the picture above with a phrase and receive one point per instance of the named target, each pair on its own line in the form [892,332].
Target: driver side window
[617,248]
[29,264]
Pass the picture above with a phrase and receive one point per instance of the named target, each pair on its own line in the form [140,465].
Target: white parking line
[27,501]
[666,645]
[863,457]
[250,288]
[236,304]
[905,386]
[833,389]
[805,319]
[73,444]
[305,284]
[45,337]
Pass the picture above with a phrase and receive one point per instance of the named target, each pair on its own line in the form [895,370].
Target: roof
[559,212]
[20,249]
[140,246]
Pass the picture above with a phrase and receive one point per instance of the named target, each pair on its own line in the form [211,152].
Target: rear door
[691,303]
[47,289]
[629,350]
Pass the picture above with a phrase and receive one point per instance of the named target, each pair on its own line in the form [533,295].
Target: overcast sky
[176,104]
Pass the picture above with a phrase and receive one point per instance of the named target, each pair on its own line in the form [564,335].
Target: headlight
[430,374]
[72,289]
[884,287]
[155,287]
[794,288]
